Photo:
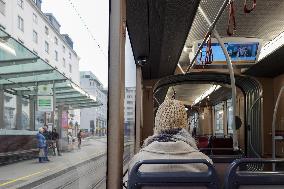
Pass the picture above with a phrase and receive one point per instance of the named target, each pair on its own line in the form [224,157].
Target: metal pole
[2,107]
[250,123]
[274,124]
[180,68]
[138,108]
[232,77]
[211,28]
[116,86]
[54,104]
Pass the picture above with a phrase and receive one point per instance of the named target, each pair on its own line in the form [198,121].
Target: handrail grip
[274,124]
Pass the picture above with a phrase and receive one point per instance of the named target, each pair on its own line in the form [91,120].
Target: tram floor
[83,168]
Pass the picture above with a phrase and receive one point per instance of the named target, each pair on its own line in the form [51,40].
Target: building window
[21,3]
[64,62]
[46,31]
[56,55]
[20,23]
[69,55]
[70,68]
[129,102]
[21,41]
[35,37]
[34,18]
[129,96]
[56,40]
[63,47]
[2,7]
[46,47]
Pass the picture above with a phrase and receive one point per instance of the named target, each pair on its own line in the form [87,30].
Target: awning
[22,72]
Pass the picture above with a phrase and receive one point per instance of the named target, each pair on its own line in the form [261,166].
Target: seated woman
[170,140]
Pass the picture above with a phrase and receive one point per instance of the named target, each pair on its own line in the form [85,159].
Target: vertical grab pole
[116,87]
[232,77]
[274,125]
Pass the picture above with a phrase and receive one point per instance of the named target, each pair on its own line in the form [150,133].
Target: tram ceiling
[265,22]
[270,66]
[245,83]
[157,31]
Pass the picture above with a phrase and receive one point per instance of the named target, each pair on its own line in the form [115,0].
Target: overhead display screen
[239,53]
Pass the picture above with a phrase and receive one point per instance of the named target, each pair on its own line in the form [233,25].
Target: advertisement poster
[64,121]
[39,119]
[45,103]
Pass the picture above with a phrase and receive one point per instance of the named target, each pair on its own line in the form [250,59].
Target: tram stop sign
[45,103]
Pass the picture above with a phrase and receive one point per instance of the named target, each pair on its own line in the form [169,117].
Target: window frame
[64,62]
[35,19]
[46,47]
[70,68]
[56,55]
[20,3]
[35,37]
[55,40]
[20,23]
[3,12]
[46,30]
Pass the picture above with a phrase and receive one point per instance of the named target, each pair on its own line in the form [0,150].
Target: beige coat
[169,150]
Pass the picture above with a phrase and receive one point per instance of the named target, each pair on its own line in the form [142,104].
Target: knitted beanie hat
[171,114]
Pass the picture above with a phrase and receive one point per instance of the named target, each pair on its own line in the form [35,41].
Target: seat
[138,180]
[203,142]
[253,180]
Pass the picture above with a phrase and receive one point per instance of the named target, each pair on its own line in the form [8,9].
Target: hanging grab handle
[249,10]
[232,20]
[209,54]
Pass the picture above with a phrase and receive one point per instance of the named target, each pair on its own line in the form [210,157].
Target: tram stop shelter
[22,75]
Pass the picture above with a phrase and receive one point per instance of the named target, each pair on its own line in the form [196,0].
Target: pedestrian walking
[41,145]
[55,142]
[47,136]
[79,136]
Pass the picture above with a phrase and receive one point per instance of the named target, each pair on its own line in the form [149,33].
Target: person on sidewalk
[79,136]
[55,142]
[47,136]
[41,145]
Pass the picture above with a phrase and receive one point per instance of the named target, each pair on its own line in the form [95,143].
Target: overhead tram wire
[87,28]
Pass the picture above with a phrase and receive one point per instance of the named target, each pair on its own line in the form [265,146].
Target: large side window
[219,119]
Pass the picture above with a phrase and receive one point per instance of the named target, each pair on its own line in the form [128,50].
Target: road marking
[22,178]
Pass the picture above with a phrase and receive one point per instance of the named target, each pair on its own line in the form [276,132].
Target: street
[84,168]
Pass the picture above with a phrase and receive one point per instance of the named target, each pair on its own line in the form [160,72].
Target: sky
[94,14]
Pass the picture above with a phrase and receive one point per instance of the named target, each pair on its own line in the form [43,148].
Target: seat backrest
[249,180]
[203,142]
[137,179]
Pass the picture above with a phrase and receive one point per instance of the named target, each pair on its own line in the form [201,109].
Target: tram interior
[174,68]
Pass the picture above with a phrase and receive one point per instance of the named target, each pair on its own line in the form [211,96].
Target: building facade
[129,104]
[40,33]
[94,119]
[129,113]
[24,21]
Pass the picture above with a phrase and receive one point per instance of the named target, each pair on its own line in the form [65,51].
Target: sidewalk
[22,173]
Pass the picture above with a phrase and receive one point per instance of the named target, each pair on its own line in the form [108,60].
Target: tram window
[129,102]
[230,116]
[219,119]
[50,124]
